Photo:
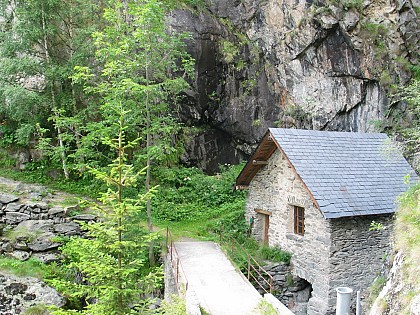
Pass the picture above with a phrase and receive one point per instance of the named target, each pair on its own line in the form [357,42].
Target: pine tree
[112,260]
[144,66]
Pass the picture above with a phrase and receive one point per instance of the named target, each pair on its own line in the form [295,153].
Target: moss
[376,287]
[229,51]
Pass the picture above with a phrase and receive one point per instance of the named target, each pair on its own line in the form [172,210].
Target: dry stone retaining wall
[29,228]
[32,227]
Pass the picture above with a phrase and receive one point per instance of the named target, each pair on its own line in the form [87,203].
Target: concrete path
[218,287]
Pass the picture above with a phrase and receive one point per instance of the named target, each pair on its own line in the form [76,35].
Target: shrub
[274,254]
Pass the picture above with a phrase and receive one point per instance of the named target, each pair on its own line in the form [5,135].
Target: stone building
[316,194]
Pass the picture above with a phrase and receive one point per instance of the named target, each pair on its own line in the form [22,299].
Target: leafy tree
[41,43]
[111,259]
[145,67]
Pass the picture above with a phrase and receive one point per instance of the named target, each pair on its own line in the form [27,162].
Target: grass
[408,238]
[31,267]
[265,308]
[37,310]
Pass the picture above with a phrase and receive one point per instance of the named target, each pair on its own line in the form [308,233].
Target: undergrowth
[31,267]
[408,234]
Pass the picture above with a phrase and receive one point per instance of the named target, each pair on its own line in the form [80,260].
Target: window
[299,222]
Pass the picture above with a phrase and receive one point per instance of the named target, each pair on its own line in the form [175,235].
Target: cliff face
[296,64]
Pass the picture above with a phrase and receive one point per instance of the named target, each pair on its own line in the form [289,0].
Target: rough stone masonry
[333,252]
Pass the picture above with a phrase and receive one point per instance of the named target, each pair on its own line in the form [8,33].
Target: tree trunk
[148,164]
[47,58]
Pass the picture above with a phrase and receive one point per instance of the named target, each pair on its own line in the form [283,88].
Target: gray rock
[84,217]
[7,247]
[43,242]
[350,20]
[42,205]
[328,21]
[13,207]
[36,210]
[21,245]
[68,210]
[18,294]
[56,211]
[415,305]
[7,198]
[67,229]
[48,257]
[35,226]
[20,254]
[16,217]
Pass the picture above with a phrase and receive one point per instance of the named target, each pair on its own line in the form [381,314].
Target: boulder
[20,254]
[18,294]
[56,212]
[20,245]
[16,217]
[68,210]
[6,247]
[13,207]
[48,257]
[35,226]
[38,204]
[67,229]
[43,243]
[84,217]
[7,198]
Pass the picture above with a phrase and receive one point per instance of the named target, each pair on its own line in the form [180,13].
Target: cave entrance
[301,292]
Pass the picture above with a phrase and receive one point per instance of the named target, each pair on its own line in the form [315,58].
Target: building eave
[265,149]
[258,159]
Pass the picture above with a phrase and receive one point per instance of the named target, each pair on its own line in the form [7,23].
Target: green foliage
[265,308]
[40,44]
[5,160]
[376,288]
[274,254]
[112,260]
[39,309]
[175,306]
[376,226]
[408,228]
[229,51]
[353,4]
[31,267]
[189,194]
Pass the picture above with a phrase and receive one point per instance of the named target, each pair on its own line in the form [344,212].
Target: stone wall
[290,290]
[29,228]
[332,253]
[276,188]
[357,253]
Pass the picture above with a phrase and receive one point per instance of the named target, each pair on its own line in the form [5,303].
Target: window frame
[299,220]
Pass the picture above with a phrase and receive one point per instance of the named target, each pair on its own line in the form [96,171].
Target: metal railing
[256,274]
[178,271]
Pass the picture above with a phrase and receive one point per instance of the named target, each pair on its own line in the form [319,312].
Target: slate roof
[347,173]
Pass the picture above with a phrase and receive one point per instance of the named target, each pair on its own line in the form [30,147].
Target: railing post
[167,237]
[177,271]
[249,267]
[271,284]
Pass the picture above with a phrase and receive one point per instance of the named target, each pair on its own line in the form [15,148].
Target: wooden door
[266,226]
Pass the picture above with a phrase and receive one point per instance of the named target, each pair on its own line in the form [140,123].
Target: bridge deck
[218,287]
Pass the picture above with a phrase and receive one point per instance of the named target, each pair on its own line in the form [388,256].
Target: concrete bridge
[213,283]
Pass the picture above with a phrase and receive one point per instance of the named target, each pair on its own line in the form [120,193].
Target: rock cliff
[326,65]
